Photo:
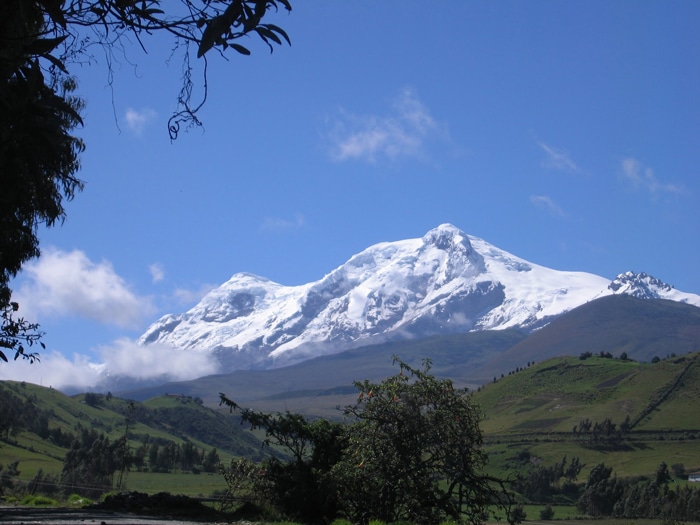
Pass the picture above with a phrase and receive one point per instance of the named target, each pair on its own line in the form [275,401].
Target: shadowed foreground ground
[31,515]
[130,508]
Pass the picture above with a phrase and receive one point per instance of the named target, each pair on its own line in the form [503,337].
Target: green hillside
[543,408]
[553,396]
[39,425]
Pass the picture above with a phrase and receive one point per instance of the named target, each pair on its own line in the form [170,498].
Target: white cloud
[55,370]
[643,177]
[276,225]
[128,358]
[558,159]
[138,119]
[546,202]
[157,272]
[69,284]
[122,358]
[402,133]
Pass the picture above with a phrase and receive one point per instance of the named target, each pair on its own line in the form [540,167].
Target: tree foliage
[541,484]
[17,334]
[39,151]
[90,463]
[38,154]
[415,452]
[639,497]
[61,32]
[302,488]
[411,451]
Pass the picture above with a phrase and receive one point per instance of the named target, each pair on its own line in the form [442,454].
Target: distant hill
[616,324]
[318,385]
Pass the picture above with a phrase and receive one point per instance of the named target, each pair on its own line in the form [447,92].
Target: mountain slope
[615,324]
[317,386]
[445,282]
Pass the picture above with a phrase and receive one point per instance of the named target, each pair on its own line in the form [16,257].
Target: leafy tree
[8,477]
[662,476]
[639,497]
[518,514]
[89,465]
[153,456]
[43,483]
[601,492]
[542,483]
[411,451]
[92,399]
[679,470]
[39,153]
[15,333]
[415,452]
[302,488]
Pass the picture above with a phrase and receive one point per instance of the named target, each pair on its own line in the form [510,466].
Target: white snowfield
[446,281]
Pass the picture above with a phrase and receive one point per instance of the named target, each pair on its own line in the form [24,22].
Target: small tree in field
[415,453]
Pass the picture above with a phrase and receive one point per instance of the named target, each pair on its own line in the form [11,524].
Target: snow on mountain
[446,281]
[644,286]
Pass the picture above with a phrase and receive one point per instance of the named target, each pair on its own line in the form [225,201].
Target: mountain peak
[641,285]
[445,236]
[443,282]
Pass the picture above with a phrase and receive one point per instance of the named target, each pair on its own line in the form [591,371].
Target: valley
[541,408]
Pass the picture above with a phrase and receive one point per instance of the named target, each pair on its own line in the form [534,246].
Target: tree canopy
[39,112]
[411,451]
[415,453]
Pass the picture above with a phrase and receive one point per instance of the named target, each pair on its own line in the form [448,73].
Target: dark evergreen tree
[210,462]
[89,465]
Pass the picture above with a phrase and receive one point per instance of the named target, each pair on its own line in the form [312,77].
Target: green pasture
[193,485]
[554,396]
[641,459]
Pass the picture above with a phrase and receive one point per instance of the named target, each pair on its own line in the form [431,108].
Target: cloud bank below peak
[123,358]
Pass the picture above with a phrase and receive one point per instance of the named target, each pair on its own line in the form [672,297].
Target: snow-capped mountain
[446,281]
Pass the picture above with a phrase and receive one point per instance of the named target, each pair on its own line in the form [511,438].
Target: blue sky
[567,133]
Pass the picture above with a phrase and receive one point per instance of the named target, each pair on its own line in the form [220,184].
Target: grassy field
[193,485]
[641,461]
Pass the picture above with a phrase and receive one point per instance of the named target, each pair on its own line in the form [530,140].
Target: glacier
[444,282]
